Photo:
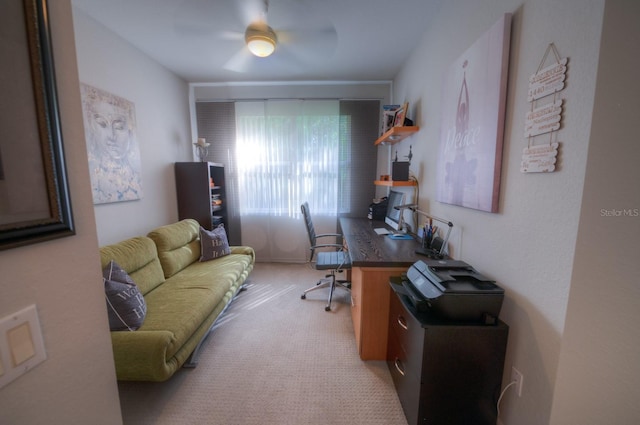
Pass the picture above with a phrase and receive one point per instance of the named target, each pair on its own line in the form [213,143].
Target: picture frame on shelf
[400,114]
[388,117]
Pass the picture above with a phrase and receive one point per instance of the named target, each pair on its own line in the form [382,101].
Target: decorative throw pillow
[213,243]
[126,306]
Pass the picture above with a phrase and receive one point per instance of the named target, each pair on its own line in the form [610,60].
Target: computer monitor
[393,215]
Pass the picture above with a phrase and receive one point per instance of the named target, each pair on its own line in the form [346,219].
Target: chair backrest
[310,229]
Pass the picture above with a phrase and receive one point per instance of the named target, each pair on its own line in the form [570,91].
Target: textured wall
[528,246]
[598,374]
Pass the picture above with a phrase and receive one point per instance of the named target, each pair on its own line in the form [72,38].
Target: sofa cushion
[126,306]
[185,300]
[139,258]
[213,243]
[178,245]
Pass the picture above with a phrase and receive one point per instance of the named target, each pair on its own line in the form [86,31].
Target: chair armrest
[327,245]
[328,234]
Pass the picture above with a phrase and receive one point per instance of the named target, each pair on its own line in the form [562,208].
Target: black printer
[452,290]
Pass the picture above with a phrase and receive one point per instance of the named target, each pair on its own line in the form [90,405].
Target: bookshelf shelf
[392,183]
[396,134]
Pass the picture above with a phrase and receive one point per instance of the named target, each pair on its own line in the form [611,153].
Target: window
[281,153]
[287,153]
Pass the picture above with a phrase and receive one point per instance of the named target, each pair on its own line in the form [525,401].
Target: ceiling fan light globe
[261,46]
[261,39]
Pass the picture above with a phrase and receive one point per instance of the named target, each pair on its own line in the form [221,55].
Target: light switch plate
[21,344]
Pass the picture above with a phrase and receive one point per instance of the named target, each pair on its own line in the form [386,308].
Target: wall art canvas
[112,146]
[472,127]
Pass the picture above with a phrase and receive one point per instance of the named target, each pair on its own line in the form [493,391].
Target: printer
[452,290]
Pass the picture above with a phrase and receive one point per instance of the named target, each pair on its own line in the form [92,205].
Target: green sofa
[183,295]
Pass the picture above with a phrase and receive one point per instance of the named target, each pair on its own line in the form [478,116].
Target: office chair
[336,261]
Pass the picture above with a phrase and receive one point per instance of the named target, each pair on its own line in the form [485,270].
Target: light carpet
[273,359]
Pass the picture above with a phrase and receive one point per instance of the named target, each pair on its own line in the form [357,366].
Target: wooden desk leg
[370,295]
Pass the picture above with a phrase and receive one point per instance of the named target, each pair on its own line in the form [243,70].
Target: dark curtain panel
[216,122]
[359,129]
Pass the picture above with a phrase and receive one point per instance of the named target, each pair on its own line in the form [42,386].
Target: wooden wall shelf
[397,134]
[392,183]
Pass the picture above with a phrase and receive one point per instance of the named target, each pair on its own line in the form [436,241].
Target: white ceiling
[337,40]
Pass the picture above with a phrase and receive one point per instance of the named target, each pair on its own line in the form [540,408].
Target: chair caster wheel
[327,308]
[303,296]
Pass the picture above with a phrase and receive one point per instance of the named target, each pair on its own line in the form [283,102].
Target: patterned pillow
[213,243]
[126,306]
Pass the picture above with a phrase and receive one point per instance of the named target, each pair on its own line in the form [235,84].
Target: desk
[374,259]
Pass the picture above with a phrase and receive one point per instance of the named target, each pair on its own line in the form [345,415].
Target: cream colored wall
[163,127]
[528,246]
[598,373]
[76,384]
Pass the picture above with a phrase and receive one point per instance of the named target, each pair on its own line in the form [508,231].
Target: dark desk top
[368,249]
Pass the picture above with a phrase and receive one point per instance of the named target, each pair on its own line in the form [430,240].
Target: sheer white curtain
[287,152]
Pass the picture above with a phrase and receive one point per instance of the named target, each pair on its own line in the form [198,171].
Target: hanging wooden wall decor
[543,121]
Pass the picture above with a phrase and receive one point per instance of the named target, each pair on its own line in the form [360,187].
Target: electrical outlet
[516,376]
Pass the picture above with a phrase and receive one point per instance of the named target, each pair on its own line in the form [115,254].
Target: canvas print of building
[112,146]
[472,127]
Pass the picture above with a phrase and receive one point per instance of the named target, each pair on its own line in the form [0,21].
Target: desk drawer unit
[405,378]
[444,373]
[409,333]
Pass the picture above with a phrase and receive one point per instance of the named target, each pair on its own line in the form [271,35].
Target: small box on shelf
[400,170]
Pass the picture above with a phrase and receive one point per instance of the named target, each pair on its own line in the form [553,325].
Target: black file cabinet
[445,373]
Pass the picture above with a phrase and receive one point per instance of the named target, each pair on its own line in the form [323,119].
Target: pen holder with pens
[433,246]
[427,236]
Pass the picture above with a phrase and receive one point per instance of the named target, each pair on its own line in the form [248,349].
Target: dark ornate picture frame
[34,195]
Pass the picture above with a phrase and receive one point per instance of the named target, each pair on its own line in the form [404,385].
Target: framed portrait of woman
[112,147]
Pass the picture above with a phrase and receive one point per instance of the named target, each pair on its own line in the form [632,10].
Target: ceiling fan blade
[206,17]
[286,59]
[231,35]
[240,61]
[251,11]
[310,45]
[308,35]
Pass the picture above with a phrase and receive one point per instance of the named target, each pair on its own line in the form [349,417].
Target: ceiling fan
[260,38]
[265,34]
